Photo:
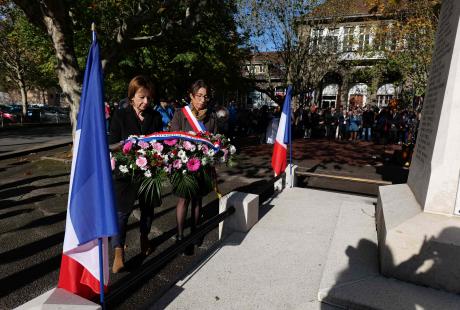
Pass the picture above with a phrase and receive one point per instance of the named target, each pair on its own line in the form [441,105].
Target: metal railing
[343,178]
[148,269]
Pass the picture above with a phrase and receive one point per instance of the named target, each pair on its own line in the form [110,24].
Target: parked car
[7,117]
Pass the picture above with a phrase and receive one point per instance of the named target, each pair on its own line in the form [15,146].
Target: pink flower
[187,145]
[143,145]
[127,147]
[177,164]
[204,149]
[193,164]
[112,163]
[141,162]
[157,146]
[171,142]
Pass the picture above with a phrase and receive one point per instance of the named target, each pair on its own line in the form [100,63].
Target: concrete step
[351,277]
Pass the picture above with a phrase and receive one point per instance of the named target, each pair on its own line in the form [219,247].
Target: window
[383,100]
[333,40]
[364,38]
[316,39]
[348,39]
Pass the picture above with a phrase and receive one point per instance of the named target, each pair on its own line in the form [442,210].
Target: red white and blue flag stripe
[91,211]
[279,158]
[197,126]
[170,135]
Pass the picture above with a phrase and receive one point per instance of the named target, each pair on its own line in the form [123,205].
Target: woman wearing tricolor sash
[194,117]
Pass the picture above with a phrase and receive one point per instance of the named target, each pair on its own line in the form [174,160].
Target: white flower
[141,151]
[232,149]
[192,148]
[204,161]
[184,159]
[123,169]
[165,159]
[181,153]
[211,152]
[222,159]
[148,174]
[200,147]
[184,171]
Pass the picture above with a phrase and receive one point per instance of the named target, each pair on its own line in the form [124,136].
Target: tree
[407,39]
[286,27]
[125,29]
[24,60]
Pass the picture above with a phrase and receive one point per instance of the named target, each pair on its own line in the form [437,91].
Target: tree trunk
[67,68]
[23,90]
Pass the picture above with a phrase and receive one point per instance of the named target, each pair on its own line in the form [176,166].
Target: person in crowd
[384,120]
[368,123]
[306,123]
[354,124]
[107,112]
[198,94]
[166,111]
[264,119]
[137,118]
[222,119]
[331,123]
[343,123]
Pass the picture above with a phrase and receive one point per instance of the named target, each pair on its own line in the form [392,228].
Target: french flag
[283,136]
[91,215]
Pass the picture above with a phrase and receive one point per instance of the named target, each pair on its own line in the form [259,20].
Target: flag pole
[101,273]
[290,144]
[101,254]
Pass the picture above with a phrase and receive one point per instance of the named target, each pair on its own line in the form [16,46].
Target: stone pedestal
[57,298]
[417,223]
[246,213]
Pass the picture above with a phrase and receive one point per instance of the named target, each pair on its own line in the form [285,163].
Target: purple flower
[127,147]
[177,164]
[171,142]
[193,164]
[157,146]
[143,145]
[141,162]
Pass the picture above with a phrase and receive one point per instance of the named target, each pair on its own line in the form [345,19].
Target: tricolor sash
[196,125]
[166,135]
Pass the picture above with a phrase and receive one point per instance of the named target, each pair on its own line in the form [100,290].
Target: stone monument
[418,223]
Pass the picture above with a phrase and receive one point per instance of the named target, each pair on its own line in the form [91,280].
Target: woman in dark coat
[137,118]
[198,105]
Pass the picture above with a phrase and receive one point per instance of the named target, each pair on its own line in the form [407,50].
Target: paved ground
[32,136]
[33,197]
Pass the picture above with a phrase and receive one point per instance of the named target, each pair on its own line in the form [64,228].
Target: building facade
[352,30]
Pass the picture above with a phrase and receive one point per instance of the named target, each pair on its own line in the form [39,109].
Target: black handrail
[164,257]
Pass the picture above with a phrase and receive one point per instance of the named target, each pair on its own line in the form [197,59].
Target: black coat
[125,123]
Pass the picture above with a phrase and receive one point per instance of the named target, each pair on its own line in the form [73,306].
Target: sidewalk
[277,265]
[308,244]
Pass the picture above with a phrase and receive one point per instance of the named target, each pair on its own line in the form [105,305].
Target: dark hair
[138,82]
[197,85]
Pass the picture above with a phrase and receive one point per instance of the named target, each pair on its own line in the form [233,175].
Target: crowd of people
[378,125]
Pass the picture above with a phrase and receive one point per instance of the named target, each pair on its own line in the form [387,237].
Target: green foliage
[184,184]
[26,52]
[150,189]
